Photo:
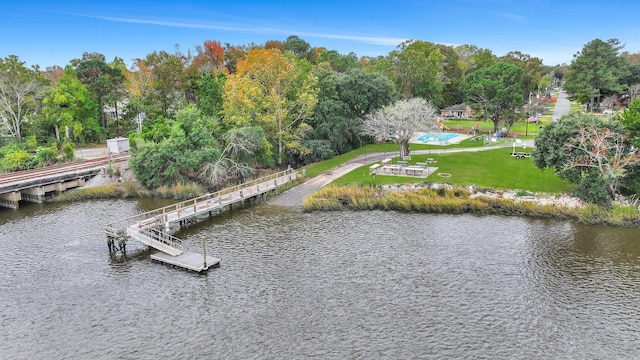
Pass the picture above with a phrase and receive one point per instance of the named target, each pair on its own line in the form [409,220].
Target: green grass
[489,168]
[390,148]
[574,106]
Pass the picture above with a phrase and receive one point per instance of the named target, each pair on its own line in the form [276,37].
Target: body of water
[333,285]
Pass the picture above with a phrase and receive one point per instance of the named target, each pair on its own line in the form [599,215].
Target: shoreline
[452,199]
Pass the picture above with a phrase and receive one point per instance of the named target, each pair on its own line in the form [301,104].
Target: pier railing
[205,202]
[163,241]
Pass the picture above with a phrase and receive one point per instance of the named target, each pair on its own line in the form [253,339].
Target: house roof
[458,107]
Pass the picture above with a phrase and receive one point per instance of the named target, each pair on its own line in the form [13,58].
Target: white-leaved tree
[399,121]
[19,89]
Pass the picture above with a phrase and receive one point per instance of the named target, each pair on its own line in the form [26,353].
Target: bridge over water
[34,185]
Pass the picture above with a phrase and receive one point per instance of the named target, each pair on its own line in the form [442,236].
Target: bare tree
[18,91]
[604,150]
[400,121]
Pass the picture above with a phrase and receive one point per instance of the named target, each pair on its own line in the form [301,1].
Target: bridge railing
[159,215]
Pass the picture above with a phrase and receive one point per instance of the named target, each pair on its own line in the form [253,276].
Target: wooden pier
[153,228]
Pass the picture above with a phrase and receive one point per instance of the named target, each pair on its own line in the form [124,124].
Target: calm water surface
[338,285]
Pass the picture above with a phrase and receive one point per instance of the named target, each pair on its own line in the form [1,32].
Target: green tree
[596,70]
[211,93]
[168,83]
[589,152]
[174,151]
[106,82]
[297,47]
[451,76]
[20,94]
[414,68]
[339,62]
[187,149]
[343,101]
[70,106]
[473,58]
[630,118]
[495,90]
[531,71]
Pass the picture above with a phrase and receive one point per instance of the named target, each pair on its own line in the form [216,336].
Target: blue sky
[54,32]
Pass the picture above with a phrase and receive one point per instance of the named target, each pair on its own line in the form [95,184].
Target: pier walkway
[153,228]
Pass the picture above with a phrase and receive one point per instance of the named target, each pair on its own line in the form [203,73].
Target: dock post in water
[204,252]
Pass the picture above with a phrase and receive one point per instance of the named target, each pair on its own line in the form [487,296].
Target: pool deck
[457,139]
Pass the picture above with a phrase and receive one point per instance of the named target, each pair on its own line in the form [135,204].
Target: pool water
[437,137]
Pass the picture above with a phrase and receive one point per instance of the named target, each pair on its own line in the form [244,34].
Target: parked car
[608,112]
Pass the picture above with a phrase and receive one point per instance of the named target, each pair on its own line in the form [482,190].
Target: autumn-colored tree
[232,54]
[271,90]
[274,44]
[53,73]
[215,55]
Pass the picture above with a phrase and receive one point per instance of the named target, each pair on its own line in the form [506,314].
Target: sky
[54,32]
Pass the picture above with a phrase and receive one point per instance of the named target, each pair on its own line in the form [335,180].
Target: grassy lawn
[390,148]
[490,168]
[574,106]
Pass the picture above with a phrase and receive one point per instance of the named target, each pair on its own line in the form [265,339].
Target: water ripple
[335,285]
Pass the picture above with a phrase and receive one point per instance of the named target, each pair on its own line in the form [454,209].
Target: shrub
[17,159]
[593,190]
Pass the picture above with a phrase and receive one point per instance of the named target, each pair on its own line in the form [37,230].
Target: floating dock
[153,228]
[187,260]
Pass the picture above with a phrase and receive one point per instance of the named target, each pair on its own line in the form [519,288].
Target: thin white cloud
[383,40]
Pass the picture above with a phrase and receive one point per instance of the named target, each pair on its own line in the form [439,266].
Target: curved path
[295,195]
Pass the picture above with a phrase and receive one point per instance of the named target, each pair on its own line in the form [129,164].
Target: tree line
[217,113]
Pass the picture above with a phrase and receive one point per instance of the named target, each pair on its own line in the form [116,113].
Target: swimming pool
[437,137]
